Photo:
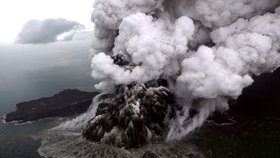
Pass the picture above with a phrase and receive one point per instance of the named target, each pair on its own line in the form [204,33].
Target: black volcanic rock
[134,116]
[66,103]
[149,154]
[221,118]
[123,60]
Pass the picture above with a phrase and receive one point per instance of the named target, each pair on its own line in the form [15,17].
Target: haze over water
[31,72]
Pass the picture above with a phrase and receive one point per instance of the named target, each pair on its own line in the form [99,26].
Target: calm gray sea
[30,72]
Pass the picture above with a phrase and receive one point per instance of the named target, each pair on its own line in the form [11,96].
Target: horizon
[14,14]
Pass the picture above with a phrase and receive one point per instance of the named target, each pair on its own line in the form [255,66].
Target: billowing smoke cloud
[148,44]
[45,31]
[219,13]
[208,50]
[245,48]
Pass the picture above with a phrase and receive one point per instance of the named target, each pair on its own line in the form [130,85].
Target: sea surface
[33,71]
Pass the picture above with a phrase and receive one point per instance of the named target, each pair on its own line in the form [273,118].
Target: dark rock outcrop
[69,102]
[124,61]
[221,118]
[149,154]
[135,115]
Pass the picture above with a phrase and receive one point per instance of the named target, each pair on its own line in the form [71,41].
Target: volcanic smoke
[163,66]
[206,50]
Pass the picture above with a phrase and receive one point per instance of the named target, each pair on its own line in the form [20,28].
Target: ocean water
[33,71]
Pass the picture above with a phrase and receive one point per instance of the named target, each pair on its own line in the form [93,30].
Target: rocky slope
[135,115]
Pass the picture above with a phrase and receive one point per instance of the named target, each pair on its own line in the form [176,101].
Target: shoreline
[66,103]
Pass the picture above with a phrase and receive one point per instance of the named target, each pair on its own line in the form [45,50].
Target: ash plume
[206,50]
[183,58]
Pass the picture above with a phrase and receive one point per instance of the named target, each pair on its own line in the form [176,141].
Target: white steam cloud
[207,49]
[218,13]
[153,43]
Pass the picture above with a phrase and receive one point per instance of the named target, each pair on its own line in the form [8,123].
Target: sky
[15,13]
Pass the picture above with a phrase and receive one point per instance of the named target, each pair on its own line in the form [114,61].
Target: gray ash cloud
[207,51]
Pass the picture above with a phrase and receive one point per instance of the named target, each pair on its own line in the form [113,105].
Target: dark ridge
[68,102]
